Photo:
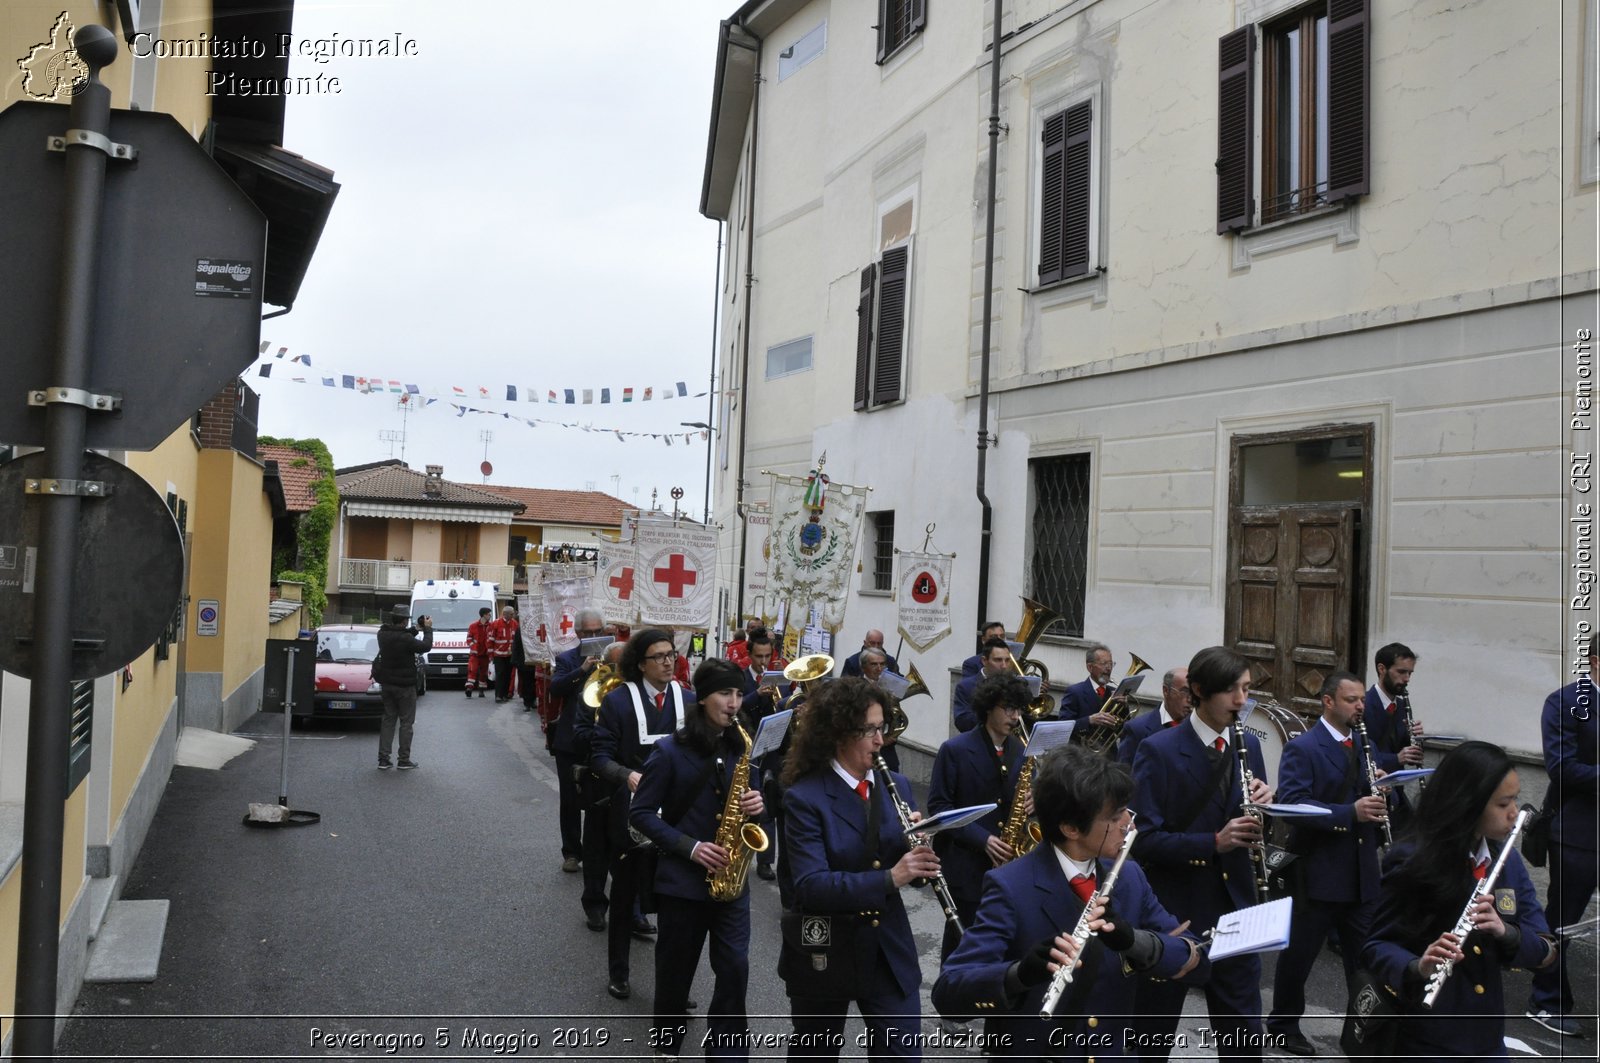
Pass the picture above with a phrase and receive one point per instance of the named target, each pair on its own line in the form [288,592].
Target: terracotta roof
[297,470]
[545,506]
[392,481]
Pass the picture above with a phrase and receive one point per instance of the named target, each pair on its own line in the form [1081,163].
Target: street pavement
[426,915]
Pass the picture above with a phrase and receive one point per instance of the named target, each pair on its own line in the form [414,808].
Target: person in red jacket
[478,654]
[503,634]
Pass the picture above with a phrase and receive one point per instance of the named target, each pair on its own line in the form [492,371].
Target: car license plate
[341,704]
[448,671]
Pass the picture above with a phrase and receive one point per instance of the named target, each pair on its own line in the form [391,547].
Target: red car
[345,689]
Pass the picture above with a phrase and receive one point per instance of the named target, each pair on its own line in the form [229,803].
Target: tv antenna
[392,436]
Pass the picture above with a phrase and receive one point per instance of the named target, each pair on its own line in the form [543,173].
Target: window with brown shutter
[889,343]
[1235,118]
[1065,187]
[864,307]
[898,22]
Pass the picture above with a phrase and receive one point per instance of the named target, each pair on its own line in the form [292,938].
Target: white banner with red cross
[922,591]
[615,581]
[564,596]
[674,573]
[530,609]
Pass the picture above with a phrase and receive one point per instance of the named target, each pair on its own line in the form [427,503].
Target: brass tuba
[1103,738]
[604,680]
[740,837]
[1035,618]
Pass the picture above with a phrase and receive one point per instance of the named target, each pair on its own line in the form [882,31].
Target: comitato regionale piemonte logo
[52,68]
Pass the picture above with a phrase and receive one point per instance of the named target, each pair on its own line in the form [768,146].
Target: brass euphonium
[1103,737]
[898,720]
[1035,618]
[604,680]
[804,673]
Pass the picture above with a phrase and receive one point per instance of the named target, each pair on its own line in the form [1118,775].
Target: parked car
[345,688]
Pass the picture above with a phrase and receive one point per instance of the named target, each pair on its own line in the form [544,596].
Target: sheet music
[894,684]
[771,678]
[1244,713]
[1294,810]
[1035,684]
[769,735]
[593,647]
[1048,734]
[951,818]
[1129,685]
[1260,928]
[1398,778]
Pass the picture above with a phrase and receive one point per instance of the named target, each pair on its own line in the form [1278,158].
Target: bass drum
[1274,725]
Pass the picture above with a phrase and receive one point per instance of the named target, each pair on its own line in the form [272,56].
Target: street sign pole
[49,709]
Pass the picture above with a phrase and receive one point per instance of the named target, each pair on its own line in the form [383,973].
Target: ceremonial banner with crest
[530,608]
[812,538]
[614,583]
[674,573]
[922,591]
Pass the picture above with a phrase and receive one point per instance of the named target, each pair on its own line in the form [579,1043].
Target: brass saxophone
[1021,832]
[740,837]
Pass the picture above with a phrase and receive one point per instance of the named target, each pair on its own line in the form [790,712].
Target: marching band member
[678,805]
[1023,929]
[850,860]
[566,690]
[1570,730]
[872,641]
[1082,700]
[1336,875]
[996,661]
[1397,748]
[1461,824]
[994,629]
[1193,844]
[757,706]
[976,768]
[874,663]
[1175,708]
[632,718]
[478,653]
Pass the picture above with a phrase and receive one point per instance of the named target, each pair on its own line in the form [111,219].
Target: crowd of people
[659,794]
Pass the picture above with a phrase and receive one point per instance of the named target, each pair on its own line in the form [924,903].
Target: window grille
[82,732]
[883,550]
[1061,516]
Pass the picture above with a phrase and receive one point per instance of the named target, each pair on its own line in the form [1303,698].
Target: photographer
[396,673]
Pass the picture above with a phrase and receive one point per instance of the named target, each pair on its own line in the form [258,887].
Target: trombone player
[1086,701]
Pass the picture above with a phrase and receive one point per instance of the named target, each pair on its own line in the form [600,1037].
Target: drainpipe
[986,535]
[744,341]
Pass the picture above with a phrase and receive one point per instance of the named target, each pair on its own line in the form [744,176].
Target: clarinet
[1403,703]
[1258,852]
[1463,925]
[1081,933]
[941,888]
[1373,788]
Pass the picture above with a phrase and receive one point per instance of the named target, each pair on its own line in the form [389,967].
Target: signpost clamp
[78,397]
[89,138]
[85,488]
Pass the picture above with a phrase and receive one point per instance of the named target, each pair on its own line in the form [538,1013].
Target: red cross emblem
[543,634]
[622,583]
[361,381]
[677,576]
[566,624]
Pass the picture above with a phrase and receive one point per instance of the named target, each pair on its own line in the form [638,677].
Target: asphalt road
[427,915]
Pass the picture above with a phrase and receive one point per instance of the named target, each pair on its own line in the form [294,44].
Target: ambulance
[453,605]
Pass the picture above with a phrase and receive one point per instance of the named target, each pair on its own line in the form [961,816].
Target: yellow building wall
[231,563]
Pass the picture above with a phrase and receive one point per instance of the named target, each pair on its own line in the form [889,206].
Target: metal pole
[711,388]
[288,718]
[986,535]
[49,698]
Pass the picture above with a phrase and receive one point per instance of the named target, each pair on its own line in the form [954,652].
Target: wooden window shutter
[1050,196]
[890,355]
[919,18]
[869,281]
[1235,129]
[1349,83]
[887,11]
[1075,183]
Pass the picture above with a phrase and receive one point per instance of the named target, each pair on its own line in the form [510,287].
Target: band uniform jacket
[615,748]
[1571,749]
[672,767]
[966,772]
[1338,857]
[566,683]
[961,711]
[1081,701]
[1468,1018]
[1028,901]
[1137,730]
[1384,730]
[825,828]
[1172,779]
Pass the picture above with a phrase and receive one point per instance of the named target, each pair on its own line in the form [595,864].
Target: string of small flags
[374,385]
[461,410]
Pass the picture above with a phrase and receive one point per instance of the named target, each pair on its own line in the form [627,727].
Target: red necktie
[1345,743]
[661,698]
[863,788]
[1220,744]
[1171,723]
[1390,708]
[1083,886]
[1480,870]
[1102,692]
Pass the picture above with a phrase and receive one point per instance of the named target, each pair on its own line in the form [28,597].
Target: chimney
[433,487]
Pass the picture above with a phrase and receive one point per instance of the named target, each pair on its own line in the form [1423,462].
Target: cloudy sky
[519,205]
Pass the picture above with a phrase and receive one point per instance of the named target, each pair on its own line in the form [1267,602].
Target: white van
[453,605]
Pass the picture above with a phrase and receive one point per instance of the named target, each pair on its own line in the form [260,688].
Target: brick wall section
[216,418]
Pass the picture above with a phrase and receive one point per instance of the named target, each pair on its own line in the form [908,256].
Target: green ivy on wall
[315,530]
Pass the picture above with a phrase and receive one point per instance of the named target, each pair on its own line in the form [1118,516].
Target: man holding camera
[396,673]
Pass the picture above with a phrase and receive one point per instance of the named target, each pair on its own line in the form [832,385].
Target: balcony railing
[367,574]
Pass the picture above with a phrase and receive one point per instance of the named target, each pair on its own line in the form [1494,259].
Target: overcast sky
[519,205]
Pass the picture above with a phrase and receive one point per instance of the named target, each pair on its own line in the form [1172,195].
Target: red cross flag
[616,583]
[673,573]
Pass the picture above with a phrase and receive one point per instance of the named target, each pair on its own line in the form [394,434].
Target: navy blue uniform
[1182,802]
[1468,1018]
[687,914]
[1079,702]
[966,772]
[1336,875]
[1571,740]
[1387,732]
[1028,901]
[566,685]
[961,711]
[852,666]
[826,831]
[1137,730]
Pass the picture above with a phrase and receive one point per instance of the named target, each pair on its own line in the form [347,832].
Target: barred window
[898,22]
[1061,517]
[882,577]
[82,732]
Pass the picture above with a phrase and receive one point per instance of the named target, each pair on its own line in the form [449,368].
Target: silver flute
[1258,849]
[1081,933]
[1373,788]
[941,888]
[1463,925]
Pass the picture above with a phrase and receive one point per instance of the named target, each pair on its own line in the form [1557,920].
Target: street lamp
[709,431]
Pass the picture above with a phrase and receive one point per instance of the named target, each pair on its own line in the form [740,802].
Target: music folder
[1399,778]
[593,647]
[1047,735]
[1279,809]
[951,818]
[1129,686]
[1259,928]
[770,732]
[771,678]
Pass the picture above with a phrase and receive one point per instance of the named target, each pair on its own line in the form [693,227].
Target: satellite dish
[486,468]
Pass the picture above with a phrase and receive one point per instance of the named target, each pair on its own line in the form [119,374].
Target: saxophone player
[975,768]
[688,783]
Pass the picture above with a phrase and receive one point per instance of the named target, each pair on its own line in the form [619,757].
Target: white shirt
[1337,737]
[850,780]
[1208,737]
[1071,868]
